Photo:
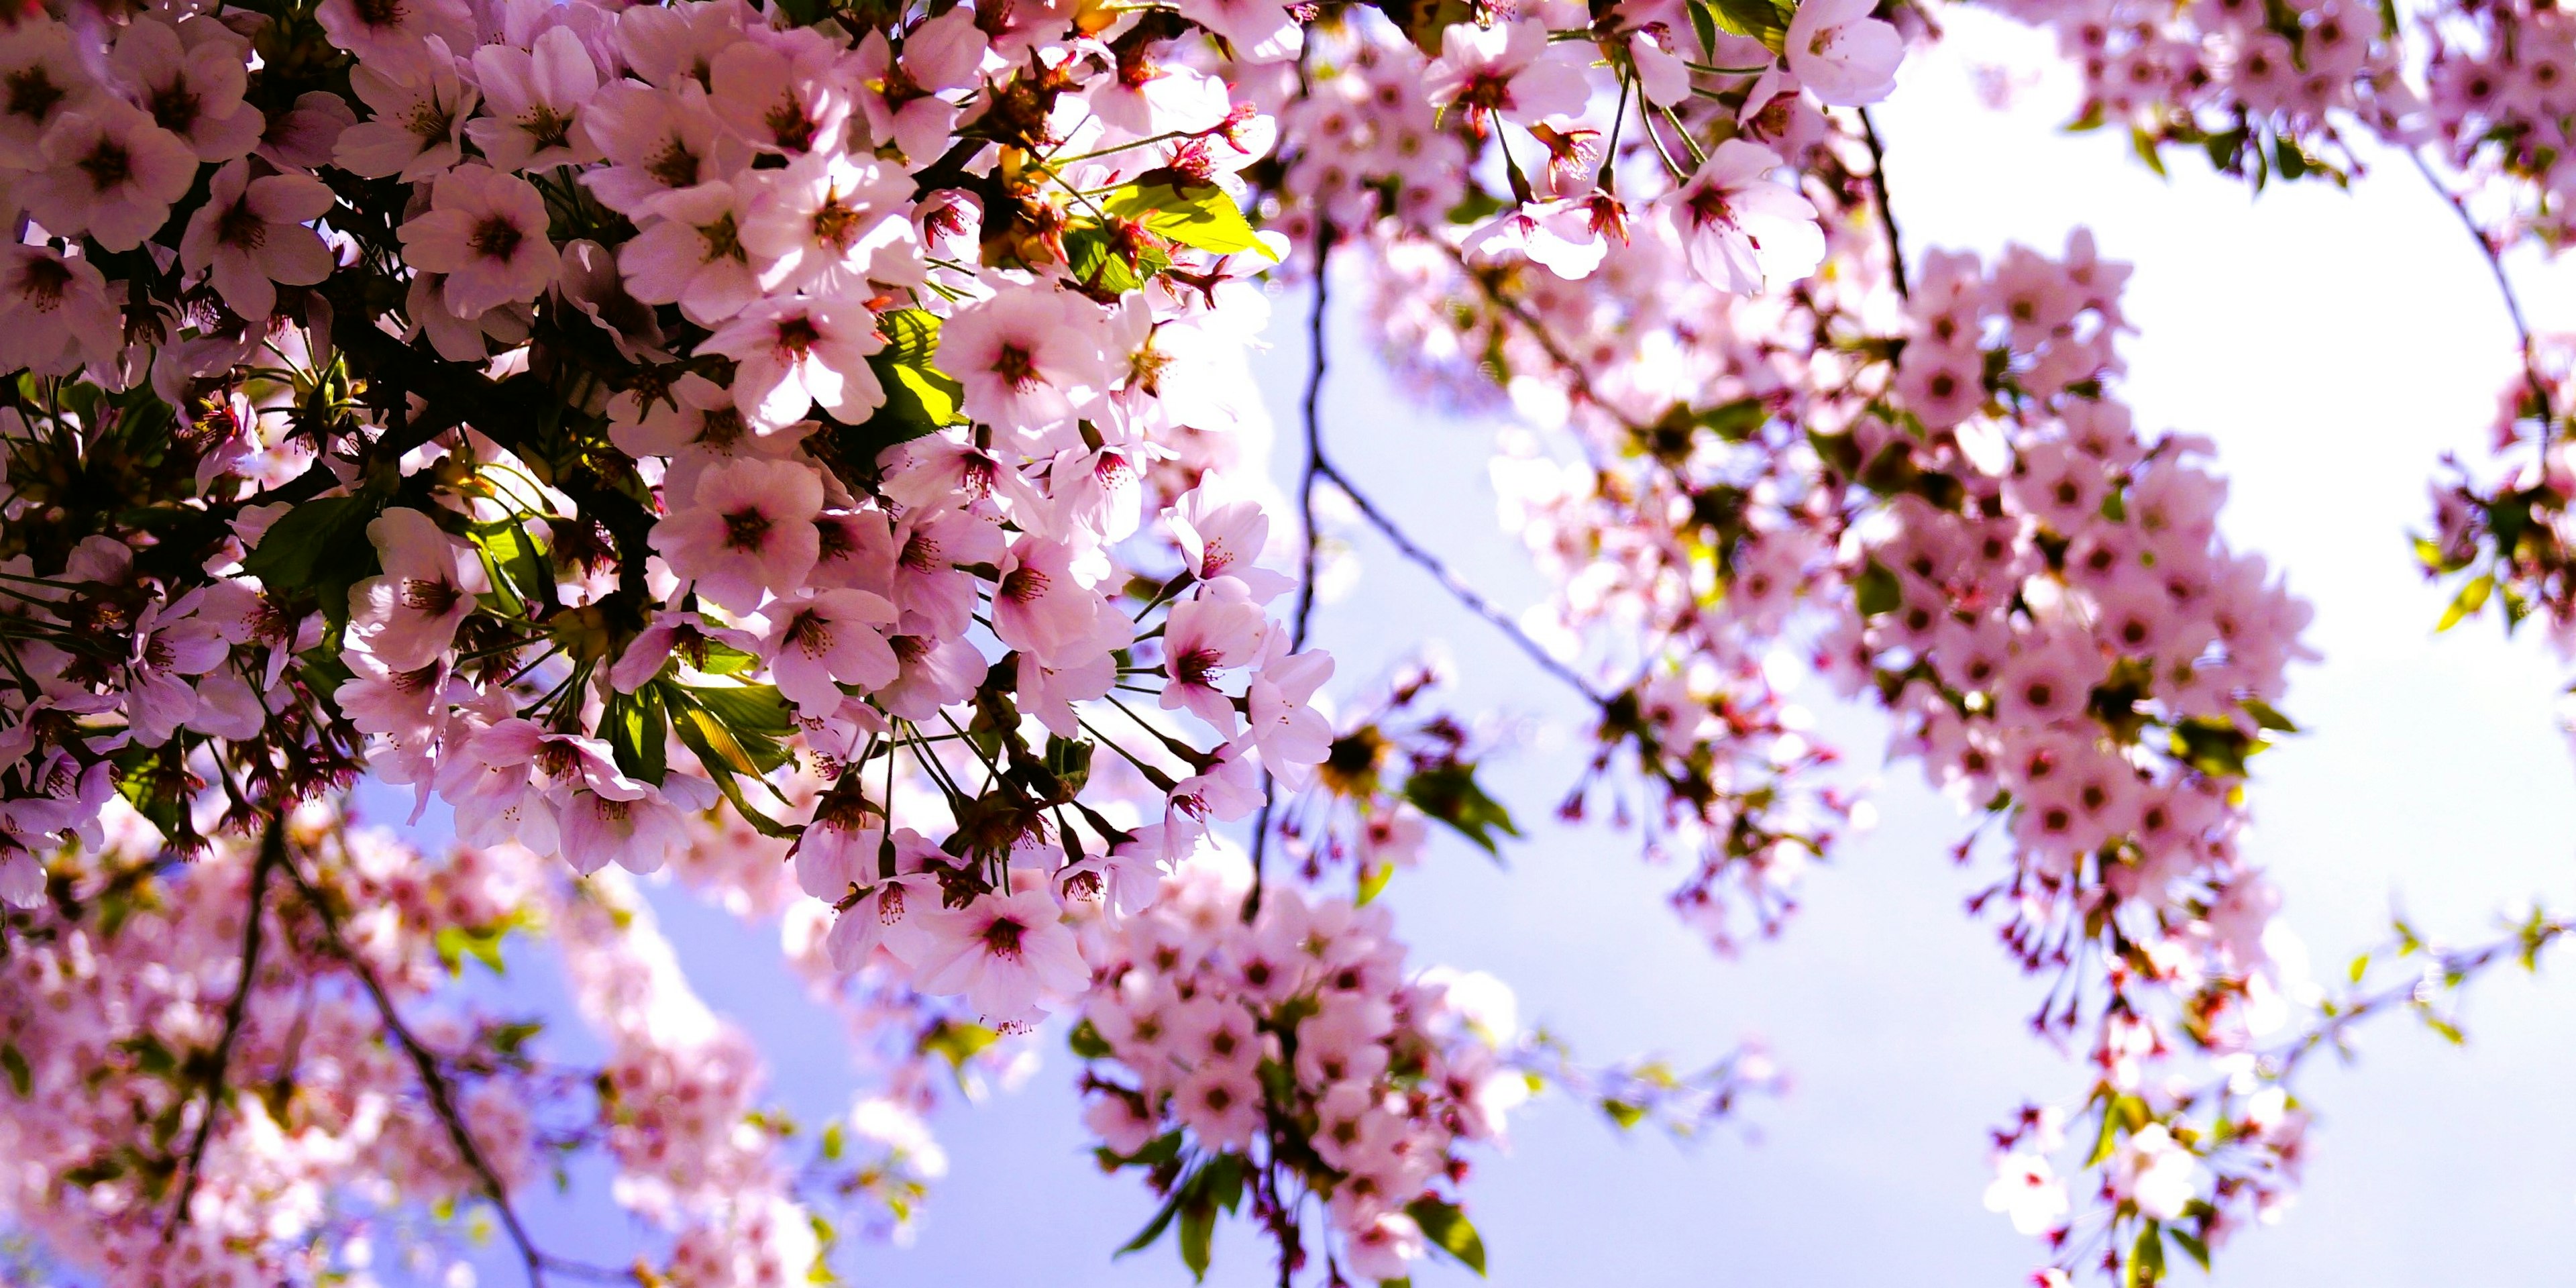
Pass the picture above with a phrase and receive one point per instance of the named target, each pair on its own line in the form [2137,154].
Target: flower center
[1002,938]
[432,597]
[1017,367]
[32,93]
[746,529]
[176,107]
[241,228]
[496,238]
[108,165]
[675,166]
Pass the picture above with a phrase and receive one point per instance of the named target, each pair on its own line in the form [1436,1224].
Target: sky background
[2334,345]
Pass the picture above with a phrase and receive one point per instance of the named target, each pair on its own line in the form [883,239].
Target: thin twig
[1468,596]
[1312,413]
[1886,208]
[2494,257]
[272,850]
[442,1099]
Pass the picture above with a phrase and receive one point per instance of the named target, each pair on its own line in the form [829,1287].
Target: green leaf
[455,943]
[1703,24]
[1449,793]
[1763,20]
[2147,1258]
[1876,590]
[1448,1230]
[21,1079]
[2471,598]
[515,562]
[1177,207]
[1735,421]
[1153,1229]
[1373,882]
[1086,1042]
[957,1042]
[320,546]
[2191,1246]
[1198,1236]
[636,729]
[2265,717]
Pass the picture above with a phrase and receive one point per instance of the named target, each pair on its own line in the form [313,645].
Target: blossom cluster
[806,444]
[1291,1052]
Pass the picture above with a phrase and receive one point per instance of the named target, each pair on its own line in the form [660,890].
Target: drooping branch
[2494,256]
[442,1099]
[272,852]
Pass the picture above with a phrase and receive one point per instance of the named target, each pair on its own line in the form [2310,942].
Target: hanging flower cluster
[1290,1054]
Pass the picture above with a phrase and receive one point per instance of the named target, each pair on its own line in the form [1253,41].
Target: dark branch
[1468,596]
[1886,208]
[442,1099]
[272,851]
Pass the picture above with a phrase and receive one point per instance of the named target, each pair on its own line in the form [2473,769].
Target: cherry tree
[804,454]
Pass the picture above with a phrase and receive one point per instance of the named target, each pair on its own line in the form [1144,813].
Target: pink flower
[1040,607]
[1509,70]
[749,532]
[408,616]
[1844,56]
[685,636]
[655,141]
[833,638]
[46,78]
[190,77]
[110,172]
[250,236]
[1261,31]
[638,835]
[1559,236]
[1221,1103]
[820,221]
[486,231]
[532,100]
[374,30]
[795,354]
[1289,731]
[54,312]
[1221,539]
[1005,953]
[1030,358]
[1740,229]
[419,103]
[691,253]
[785,100]
[936,671]
[1202,637]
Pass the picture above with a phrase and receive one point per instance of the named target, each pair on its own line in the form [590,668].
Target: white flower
[1841,54]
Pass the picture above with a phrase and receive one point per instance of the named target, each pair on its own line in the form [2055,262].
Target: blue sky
[2334,345]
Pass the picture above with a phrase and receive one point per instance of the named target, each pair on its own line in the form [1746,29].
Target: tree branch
[1886,208]
[1468,596]
[442,1099]
[2494,257]
[272,851]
